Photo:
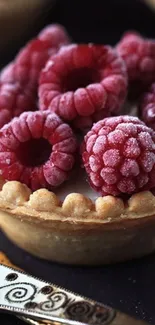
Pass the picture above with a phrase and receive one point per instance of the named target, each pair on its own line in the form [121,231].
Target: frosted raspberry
[147,107]
[119,156]
[82,82]
[14,100]
[31,59]
[139,56]
[24,71]
[55,34]
[7,74]
[37,149]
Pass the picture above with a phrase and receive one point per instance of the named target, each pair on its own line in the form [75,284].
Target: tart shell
[107,231]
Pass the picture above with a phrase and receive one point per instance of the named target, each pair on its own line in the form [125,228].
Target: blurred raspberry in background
[86,21]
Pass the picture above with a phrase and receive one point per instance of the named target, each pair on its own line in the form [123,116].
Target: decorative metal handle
[27,296]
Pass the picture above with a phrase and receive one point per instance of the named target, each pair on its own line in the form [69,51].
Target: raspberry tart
[81,227]
[77,182]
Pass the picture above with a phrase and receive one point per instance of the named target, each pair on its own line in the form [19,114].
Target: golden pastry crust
[17,198]
[78,230]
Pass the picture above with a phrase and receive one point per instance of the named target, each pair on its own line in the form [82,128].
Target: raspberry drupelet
[83,83]
[139,56]
[37,149]
[147,107]
[119,156]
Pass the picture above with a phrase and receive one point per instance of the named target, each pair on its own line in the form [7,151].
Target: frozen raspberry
[81,81]
[7,74]
[37,149]
[119,156]
[32,58]
[139,56]
[147,107]
[25,71]
[55,34]
[14,100]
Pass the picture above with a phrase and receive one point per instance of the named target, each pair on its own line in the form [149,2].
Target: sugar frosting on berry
[28,63]
[15,100]
[37,149]
[83,83]
[139,56]
[19,79]
[147,107]
[125,163]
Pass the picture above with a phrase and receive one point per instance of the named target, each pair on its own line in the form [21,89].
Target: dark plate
[129,286]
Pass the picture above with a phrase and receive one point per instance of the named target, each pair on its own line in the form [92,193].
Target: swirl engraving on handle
[80,309]
[55,301]
[85,311]
[46,298]
[19,292]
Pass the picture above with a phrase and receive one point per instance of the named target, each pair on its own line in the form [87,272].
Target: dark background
[130,286]
[99,21]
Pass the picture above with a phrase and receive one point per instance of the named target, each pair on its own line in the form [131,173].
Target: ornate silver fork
[39,302]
